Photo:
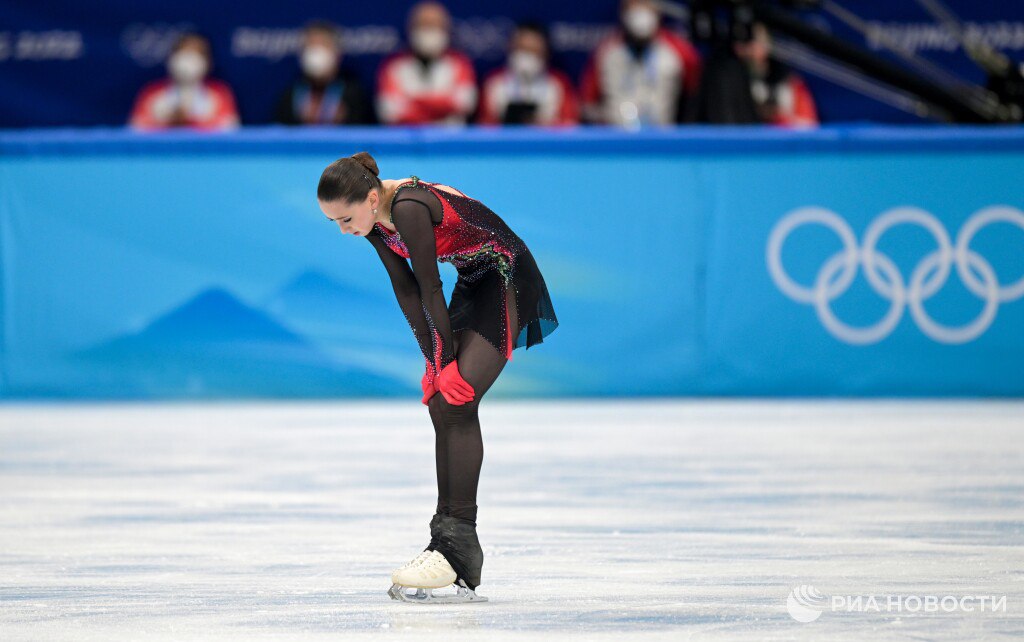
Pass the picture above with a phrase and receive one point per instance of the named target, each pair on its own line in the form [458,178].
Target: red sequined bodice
[470,236]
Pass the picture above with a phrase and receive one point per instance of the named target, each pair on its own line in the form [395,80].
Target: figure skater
[500,302]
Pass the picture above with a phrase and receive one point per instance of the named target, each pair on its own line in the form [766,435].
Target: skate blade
[426,596]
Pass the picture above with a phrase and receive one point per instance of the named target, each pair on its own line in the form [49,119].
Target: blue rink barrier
[691,261]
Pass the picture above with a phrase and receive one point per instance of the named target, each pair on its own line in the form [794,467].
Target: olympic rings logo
[928,277]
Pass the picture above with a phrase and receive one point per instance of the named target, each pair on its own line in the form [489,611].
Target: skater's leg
[441,443]
[480,363]
[440,452]
[459,456]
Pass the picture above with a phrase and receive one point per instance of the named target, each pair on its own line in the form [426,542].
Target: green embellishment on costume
[415,183]
[501,260]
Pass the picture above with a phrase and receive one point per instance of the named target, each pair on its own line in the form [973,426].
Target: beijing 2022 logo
[928,276]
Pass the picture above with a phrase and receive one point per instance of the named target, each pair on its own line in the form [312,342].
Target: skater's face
[352,218]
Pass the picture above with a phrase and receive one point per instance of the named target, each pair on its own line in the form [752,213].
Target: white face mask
[641,22]
[317,61]
[187,67]
[429,41]
[526,64]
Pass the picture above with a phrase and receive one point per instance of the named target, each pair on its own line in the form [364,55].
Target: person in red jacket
[429,82]
[187,98]
[527,91]
[641,74]
[780,95]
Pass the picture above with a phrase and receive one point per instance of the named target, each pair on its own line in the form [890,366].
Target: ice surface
[599,520]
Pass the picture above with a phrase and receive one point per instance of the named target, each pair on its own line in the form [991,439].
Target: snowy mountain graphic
[321,307]
[215,345]
[352,324]
[313,288]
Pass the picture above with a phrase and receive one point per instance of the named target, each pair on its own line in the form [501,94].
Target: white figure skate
[413,562]
[431,572]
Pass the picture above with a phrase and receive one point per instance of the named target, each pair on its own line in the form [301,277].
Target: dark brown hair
[324,26]
[349,179]
[187,36]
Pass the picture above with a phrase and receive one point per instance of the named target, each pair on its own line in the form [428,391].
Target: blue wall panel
[187,266]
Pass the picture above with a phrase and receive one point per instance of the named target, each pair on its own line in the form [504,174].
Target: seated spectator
[642,73]
[325,94]
[527,91]
[187,98]
[429,83]
[780,96]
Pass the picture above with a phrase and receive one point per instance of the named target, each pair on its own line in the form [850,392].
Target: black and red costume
[492,262]
[500,302]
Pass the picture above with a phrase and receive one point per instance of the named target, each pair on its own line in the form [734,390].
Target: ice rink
[648,519]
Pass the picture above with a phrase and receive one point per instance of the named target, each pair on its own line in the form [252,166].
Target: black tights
[458,443]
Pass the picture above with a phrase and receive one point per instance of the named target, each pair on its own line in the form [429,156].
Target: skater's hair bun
[364,159]
[349,179]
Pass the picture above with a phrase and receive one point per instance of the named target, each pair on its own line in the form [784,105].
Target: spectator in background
[187,98]
[429,83]
[642,74]
[325,94]
[780,96]
[527,91]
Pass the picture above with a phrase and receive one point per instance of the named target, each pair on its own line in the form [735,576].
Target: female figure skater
[500,302]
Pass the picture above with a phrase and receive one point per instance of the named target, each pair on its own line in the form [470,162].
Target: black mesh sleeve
[412,220]
[407,292]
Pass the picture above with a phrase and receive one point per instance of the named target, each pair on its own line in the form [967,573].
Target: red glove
[427,383]
[450,383]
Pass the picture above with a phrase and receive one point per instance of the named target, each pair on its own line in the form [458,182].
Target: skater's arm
[412,220]
[407,292]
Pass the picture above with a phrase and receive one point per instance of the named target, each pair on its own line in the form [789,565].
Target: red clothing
[618,85]
[412,93]
[495,270]
[551,91]
[793,104]
[210,105]
[459,242]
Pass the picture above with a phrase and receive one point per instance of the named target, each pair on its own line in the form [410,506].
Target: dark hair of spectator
[187,36]
[349,179]
[192,35]
[324,26]
[536,27]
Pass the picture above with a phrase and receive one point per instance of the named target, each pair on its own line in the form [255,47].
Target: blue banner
[61,64]
[734,261]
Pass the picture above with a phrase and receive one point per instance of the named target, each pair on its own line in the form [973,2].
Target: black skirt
[479,303]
